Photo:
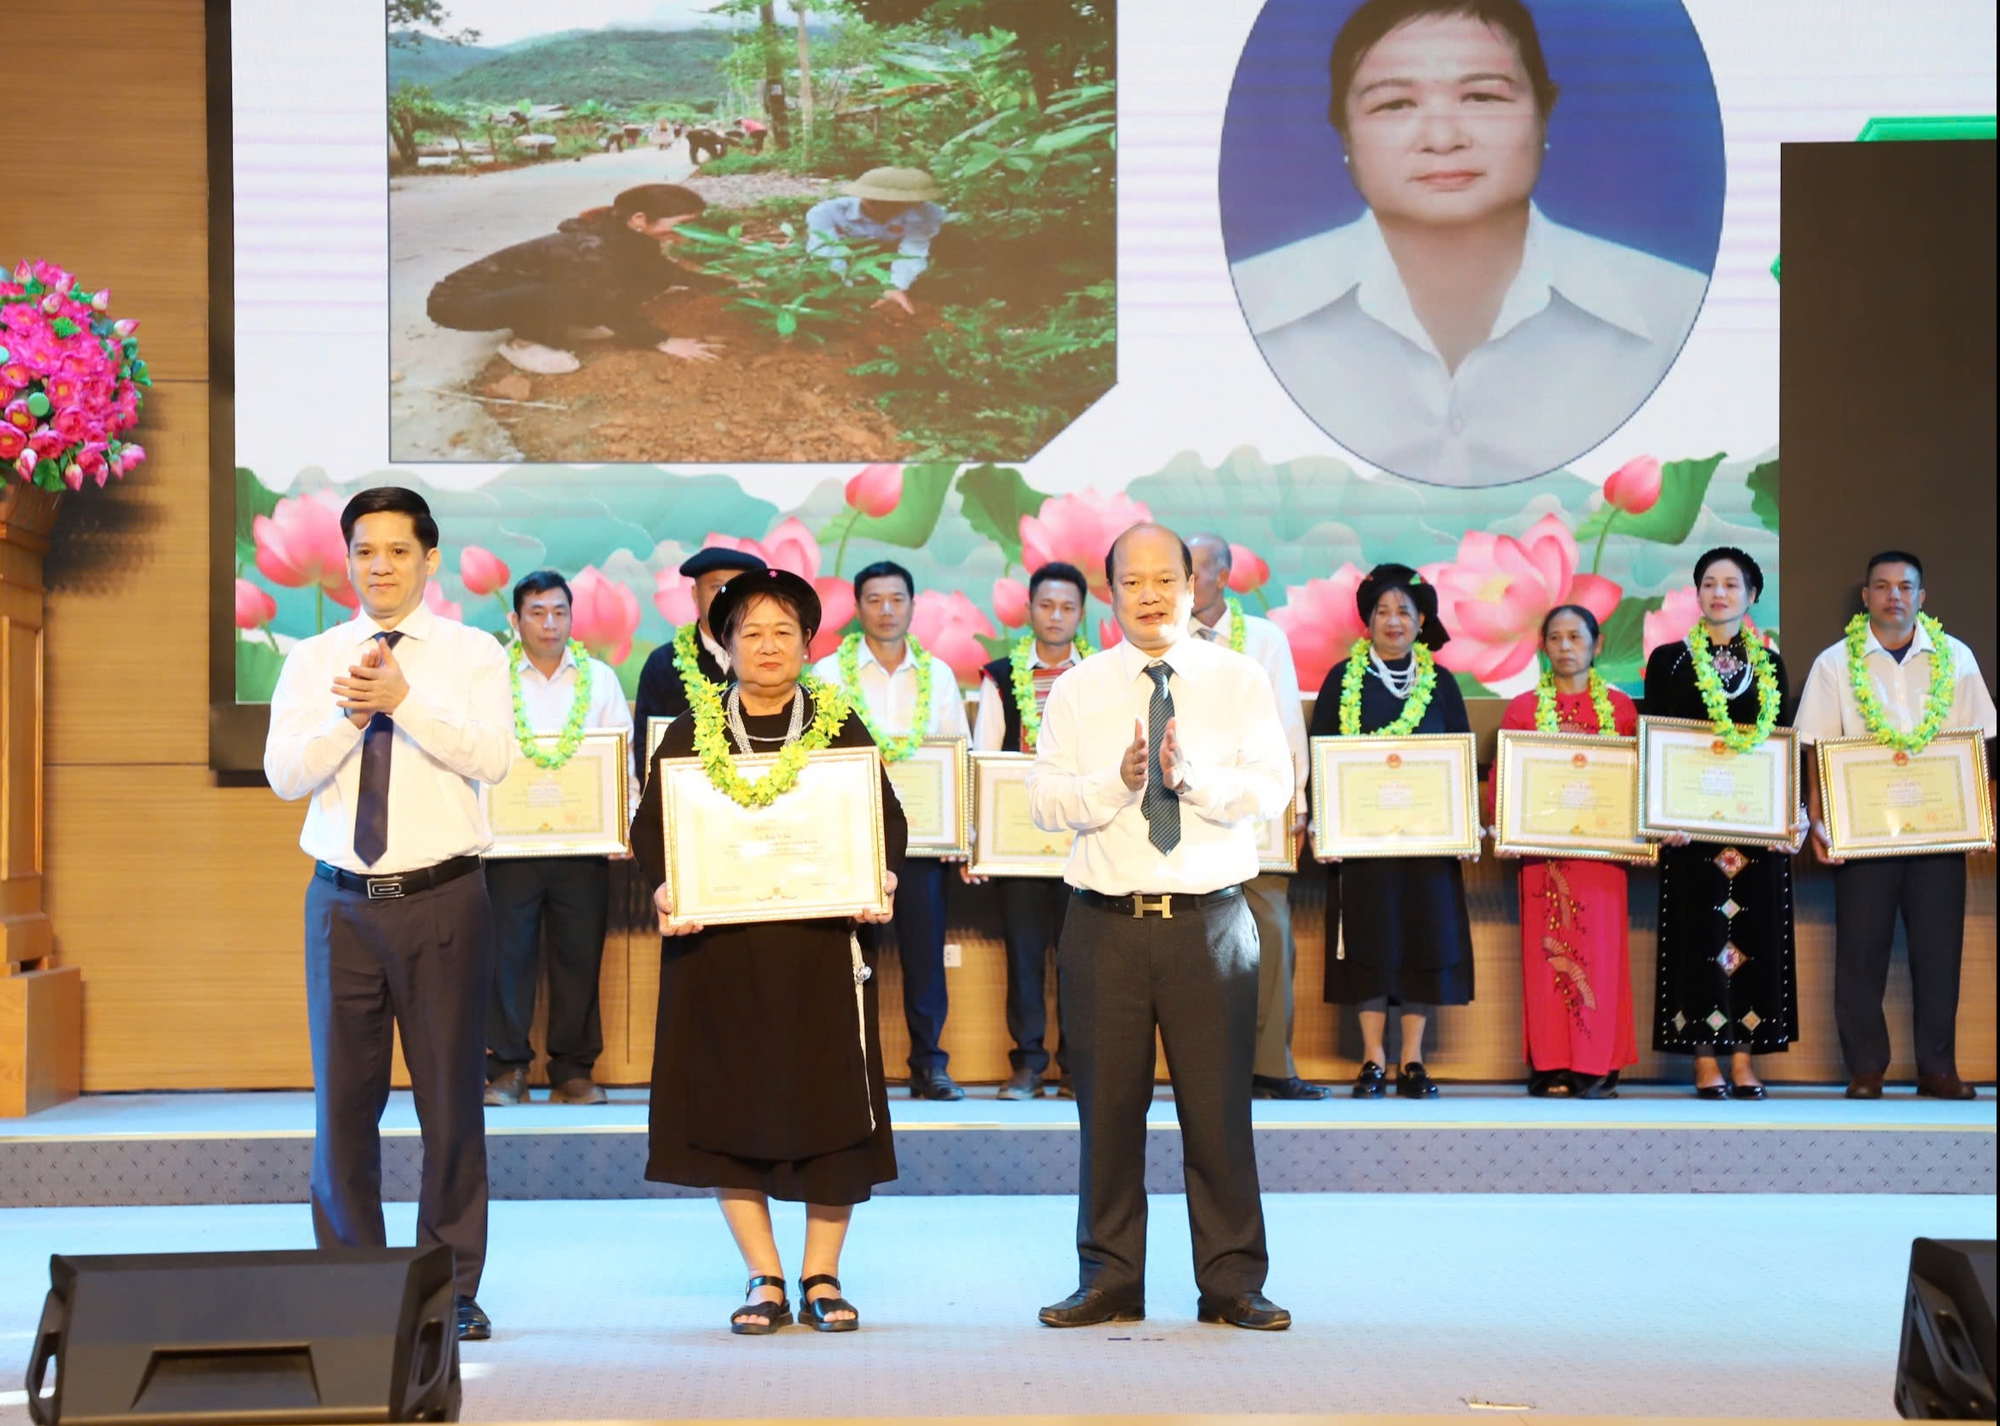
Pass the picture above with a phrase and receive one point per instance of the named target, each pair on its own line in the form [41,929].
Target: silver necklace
[733,706]
[1734,671]
[1398,682]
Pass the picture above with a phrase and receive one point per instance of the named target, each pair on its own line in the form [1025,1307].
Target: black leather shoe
[1088,1307]
[1415,1083]
[1266,1086]
[1944,1086]
[934,1084]
[1251,1311]
[508,1088]
[1370,1083]
[1603,1086]
[1021,1084]
[473,1324]
[1746,1091]
[1712,1091]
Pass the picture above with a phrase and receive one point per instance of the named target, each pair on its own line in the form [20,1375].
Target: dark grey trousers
[421,964]
[569,899]
[1194,978]
[1929,891]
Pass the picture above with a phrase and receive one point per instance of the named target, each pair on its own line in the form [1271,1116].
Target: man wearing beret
[694,648]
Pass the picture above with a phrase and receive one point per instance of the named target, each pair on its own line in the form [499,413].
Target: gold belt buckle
[1164,905]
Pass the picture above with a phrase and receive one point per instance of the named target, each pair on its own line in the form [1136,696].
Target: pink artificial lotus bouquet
[71,381]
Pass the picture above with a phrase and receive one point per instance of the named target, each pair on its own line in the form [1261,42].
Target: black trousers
[919,922]
[1031,920]
[534,312]
[1929,891]
[1195,978]
[421,964]
[570,898]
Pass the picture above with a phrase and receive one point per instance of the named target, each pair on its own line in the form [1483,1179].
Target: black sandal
[761,1319]
[813,1311]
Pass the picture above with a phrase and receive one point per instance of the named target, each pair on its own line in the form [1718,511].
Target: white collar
[1219,630]
[1324,268]
[1920,643]
[867,656]
[1035,656]
[417,624]
[1175,656]
[567,661]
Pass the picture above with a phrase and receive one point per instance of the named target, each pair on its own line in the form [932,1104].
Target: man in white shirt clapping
[1162,755]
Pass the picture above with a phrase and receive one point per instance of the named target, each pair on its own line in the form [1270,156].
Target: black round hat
[764,580]
[707,561]
[1423,594]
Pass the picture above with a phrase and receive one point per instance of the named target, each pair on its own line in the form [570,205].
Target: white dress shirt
[1236,766]
[892,697]
[1827,708]
[1584,333]
[989,723]
[454,730]
[547,702]
[1265,643]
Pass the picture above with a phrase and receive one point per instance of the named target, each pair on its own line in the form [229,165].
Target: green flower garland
[1737,737]
[1024,685]
[711,743]
[687,661]
[1413,709]
[1937,706]
[894,750]
[1546,720]
[571,737]
[1237,634]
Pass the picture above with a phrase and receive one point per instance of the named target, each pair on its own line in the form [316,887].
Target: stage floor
[196,1148]
[1662,1305]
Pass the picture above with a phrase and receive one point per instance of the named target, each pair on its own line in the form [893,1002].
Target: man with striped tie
[390,722]
[1162,754]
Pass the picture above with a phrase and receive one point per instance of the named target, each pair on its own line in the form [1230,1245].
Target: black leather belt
[402,883]
[1139,904]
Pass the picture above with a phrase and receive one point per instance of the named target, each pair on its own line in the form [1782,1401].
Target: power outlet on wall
[952,959]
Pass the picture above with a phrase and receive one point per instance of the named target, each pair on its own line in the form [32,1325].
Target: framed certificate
[1690,781]
[931,785]
[1883,803]
[1276,851]
[576,810]
[816,851]
[656,729]
[1395,797]
[1568,795]
[1006,841]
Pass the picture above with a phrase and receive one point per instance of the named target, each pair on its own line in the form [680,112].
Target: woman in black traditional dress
[767,1059]
[1406,939]
[1728,978]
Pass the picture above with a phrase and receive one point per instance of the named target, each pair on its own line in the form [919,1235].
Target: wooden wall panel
[179,900]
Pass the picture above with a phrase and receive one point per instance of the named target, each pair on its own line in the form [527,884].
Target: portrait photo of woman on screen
[1454,333]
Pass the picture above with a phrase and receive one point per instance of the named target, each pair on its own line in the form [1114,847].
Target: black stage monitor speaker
[1945,1369]
[175,1339]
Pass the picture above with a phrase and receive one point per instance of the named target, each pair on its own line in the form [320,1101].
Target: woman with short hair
[767,1057]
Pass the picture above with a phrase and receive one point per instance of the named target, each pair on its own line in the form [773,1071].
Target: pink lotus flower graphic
[877,490]
[481,571]
[789,546]
[1247,570]
[1635,486]
[603,615]
[673,596]
[444,608]
[1321,623]
[1494,596]
[1078,529]
[254,607]
[949,626]
[1669,624]
[1010,602]
[299,545]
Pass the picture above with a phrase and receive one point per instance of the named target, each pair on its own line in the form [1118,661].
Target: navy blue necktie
[371,808]
[1161,804]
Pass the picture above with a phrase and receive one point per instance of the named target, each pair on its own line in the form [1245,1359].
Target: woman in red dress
[1576,980]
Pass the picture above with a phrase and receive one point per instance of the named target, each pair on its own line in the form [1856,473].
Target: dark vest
[1001,671]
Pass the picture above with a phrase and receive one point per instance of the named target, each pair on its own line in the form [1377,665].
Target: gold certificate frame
[656,729]
[1883,803]
[817,851]
[1276,850]
[1568,795]
[1690,781]
[1415,796]
[931,785]
[576,810]
[1006,841]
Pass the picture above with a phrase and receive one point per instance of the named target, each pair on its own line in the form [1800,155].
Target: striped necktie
[1161,804]
[371,807]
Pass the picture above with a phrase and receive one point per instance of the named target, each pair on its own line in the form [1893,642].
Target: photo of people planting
[748,231]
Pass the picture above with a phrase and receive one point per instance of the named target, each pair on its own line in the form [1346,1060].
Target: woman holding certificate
[1728,979]
[1576,979]
[767,1059]
[1406,938]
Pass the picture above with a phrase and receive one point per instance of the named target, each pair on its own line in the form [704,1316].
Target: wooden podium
[41,1003]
